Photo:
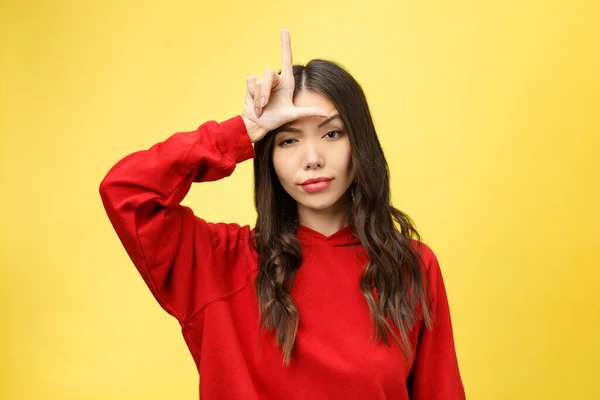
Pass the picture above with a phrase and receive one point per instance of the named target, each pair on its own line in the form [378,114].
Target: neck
[326,221]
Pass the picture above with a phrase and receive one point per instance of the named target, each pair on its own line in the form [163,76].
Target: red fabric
[202,273]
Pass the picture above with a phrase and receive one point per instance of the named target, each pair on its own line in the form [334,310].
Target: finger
[286,53]
[250,83]
[300,112]
[267,85]
[256,97]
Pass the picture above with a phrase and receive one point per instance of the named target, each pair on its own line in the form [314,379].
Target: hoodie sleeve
[435,373]
[184,260]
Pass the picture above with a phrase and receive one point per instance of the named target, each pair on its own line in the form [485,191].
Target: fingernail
[257,111]
[263,101]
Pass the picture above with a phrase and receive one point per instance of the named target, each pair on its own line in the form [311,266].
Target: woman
[303,306]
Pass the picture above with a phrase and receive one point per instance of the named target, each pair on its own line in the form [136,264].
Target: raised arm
[178,254]
[185,260]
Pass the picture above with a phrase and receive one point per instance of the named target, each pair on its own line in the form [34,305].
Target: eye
[286,142]
[334,134]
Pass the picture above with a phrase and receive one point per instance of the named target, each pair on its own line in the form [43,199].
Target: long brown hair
[394,268]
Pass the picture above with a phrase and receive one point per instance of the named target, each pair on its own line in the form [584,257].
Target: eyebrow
[322,124]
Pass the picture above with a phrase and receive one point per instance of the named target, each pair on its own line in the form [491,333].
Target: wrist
[254,131]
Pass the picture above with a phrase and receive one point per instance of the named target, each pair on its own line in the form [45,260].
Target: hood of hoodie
[343,237]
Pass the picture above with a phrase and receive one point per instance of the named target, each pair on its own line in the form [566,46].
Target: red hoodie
[202,273]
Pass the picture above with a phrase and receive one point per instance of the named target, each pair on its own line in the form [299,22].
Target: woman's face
[314,148]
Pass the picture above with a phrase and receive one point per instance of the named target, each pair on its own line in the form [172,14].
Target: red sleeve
[435,373]
[184,260]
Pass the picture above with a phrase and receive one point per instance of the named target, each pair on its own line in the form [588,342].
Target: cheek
[345,161]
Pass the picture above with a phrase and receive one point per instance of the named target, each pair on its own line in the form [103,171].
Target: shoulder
[426,254]
[229,230]
[230,239]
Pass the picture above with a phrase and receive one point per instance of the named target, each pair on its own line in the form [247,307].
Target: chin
[318,206]
[318,202]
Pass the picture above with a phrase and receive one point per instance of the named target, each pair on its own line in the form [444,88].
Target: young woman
[331,295]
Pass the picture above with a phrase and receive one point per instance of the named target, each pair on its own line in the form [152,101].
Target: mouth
[316,184]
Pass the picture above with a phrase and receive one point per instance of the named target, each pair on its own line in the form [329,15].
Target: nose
[313,157]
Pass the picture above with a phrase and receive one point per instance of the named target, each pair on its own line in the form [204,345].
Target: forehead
[309,98]
[306,98]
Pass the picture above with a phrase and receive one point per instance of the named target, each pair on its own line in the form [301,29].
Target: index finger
[286,53]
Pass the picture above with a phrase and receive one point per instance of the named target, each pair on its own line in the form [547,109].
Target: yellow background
[487,111]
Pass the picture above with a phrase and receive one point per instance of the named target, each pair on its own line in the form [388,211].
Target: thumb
[300,112]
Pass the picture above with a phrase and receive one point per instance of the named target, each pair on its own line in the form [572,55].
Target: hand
[269,99]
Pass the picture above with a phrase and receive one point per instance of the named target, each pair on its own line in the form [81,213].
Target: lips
[316,184]
[315,180]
